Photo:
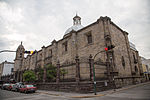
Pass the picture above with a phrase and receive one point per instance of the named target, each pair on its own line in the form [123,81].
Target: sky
[39,22]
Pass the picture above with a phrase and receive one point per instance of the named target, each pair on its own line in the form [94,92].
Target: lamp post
[94,78]
[94,81]
[112,74]
[106,50]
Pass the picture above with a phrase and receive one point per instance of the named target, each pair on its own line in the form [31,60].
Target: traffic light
[106,49]
[109,47]
[30,52]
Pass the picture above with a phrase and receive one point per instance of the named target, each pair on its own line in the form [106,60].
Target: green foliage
[29,76]
[63,72]
[40,73]
[51,71]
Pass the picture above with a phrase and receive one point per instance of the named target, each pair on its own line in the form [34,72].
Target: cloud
[38,22]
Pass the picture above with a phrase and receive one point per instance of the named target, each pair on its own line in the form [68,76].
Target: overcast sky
[38,22]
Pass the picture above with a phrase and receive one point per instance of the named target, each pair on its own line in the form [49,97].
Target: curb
[99,95]
[49,93]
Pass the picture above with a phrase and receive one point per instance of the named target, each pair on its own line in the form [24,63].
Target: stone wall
[82,87]
[124,81]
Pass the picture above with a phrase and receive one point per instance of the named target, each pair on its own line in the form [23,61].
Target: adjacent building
[83,47]
[6,70]
[146,67]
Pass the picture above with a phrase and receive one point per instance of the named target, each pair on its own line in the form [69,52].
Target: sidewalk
[88,95]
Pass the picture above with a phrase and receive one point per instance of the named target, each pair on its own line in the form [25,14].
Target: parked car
[16,87]
[28,88]
[9,87]
[5,86]
[1,83]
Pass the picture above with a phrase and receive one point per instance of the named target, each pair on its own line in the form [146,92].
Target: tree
[63,72]
[51,71]
[40,73]
[29,76]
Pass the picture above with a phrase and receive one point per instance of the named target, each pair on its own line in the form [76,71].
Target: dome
[76,25]
[132,46]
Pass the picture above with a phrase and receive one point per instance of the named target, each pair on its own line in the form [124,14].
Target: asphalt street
[134,92]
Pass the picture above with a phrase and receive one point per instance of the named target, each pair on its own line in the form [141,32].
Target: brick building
[80,49]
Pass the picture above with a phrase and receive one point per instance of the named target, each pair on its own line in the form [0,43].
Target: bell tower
[20,52]
[19,57]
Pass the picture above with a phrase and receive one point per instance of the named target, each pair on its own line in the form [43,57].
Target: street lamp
[106,50]
[112,74]
[94,71]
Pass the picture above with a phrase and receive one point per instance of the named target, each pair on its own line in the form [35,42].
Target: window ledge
[89,44]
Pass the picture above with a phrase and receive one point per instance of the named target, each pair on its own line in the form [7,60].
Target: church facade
[80,49]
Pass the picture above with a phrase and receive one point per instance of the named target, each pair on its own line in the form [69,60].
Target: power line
[7,51]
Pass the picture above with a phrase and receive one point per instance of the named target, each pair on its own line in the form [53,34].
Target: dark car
[28,88]
[1,83]
[5,86]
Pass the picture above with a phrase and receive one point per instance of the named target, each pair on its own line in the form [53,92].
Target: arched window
[123,62]
[136,69]
[134,58]
[89,38]
[20,55]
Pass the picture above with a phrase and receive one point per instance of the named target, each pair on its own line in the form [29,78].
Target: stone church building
[82,50]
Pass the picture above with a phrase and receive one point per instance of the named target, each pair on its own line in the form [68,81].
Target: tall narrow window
[20,55]
[65,46]
[89,38]
[50,52]
[135,60]
[123,62]
[136,69]
[147,68]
